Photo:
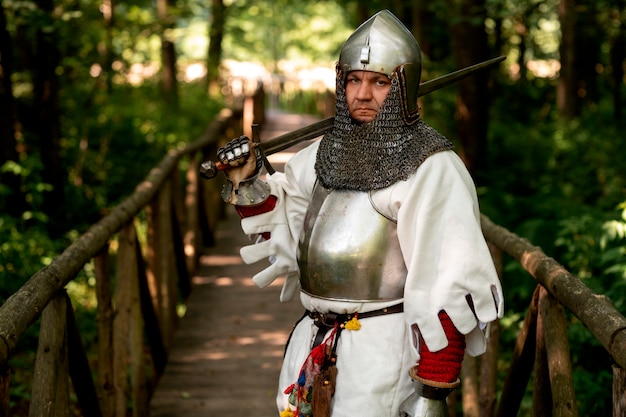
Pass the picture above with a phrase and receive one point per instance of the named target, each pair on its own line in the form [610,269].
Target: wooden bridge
[223,357]
[229,346]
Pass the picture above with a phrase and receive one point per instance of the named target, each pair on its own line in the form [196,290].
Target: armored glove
[243,187]
[427,400]
[436,375]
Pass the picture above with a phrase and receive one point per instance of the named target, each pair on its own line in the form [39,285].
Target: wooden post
[105,331]
[248,115]
[521,364]
[140,397]
[469,388]
[489,362]
[542,392]
[489,373]
[178,227]
[5,395]
[50,395]
[125,269]
[162,274]
[619,391]
[151,321]
[181,277]
[79,369]
[191,238]
[557,350]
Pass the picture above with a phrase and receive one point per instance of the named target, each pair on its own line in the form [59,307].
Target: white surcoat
[447,262]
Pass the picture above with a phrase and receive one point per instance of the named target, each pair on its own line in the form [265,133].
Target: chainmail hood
[377,154]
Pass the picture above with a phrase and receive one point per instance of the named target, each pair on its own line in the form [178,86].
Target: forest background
[94,93]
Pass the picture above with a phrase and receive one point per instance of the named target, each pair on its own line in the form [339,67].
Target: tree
[470,46]
[617,40]
[568,102]
[169,83]
[216,35]
[108,14]
[47,127]
[8,144]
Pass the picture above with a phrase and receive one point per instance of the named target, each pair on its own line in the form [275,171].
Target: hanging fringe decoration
[312,393]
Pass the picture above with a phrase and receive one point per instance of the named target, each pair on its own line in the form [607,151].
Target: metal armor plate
[349,251]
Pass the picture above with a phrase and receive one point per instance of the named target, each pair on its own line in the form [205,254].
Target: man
[377,227]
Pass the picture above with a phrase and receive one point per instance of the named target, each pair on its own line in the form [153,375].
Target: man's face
[365,93]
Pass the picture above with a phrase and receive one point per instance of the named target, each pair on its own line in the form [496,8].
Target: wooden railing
[150,280]
[542,344]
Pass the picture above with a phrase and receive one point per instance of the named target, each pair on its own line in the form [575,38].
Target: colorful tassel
[353,324]
[287,412]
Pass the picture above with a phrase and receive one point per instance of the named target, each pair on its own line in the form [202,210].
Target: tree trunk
[169,83]
[108,13]
[8,144]
[216,34]
[422,27]
[590,36]
[568,103]
[47,116]
[469,45]
[618,55]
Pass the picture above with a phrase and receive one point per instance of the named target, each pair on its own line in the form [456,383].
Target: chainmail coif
[374,155]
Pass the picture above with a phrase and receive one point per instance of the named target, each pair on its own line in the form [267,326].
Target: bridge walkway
[229,345]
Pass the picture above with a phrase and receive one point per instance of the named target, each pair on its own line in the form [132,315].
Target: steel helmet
[383,44]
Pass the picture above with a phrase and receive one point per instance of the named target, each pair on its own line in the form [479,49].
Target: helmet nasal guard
[383,44]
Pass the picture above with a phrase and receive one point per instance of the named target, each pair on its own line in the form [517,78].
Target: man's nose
[364,92]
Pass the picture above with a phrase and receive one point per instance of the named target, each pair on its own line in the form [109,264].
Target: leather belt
[326,321]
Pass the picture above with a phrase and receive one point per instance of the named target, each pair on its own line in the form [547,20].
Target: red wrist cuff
[264,207]
[249,211]
[445,364]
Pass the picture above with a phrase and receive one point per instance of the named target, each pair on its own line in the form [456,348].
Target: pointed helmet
[383,44]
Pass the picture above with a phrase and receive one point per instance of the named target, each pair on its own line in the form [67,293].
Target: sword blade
[317,129]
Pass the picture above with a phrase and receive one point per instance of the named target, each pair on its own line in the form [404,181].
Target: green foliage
[560,185]
[23,251]
[273,31]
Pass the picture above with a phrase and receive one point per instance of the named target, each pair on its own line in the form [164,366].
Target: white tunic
[447,260]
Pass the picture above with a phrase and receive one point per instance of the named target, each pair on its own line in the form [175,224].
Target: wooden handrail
[135,308]
[26,304]
[595,311]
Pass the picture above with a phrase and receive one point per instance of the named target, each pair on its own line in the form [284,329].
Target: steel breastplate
[349,251]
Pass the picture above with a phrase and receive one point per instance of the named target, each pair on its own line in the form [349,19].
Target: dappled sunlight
[220,260]
[544,68]
[223,281]
[262,317]
[264,345]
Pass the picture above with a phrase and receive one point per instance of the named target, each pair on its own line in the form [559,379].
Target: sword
[209,169]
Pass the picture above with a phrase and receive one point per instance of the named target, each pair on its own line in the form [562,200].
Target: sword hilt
[210,169]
